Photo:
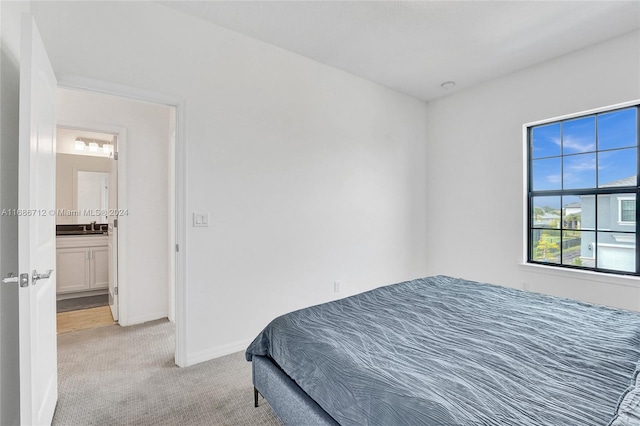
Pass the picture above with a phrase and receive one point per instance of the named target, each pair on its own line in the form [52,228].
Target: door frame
[121,135]
[177,203]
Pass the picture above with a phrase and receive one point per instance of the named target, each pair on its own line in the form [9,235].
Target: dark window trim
[576,192]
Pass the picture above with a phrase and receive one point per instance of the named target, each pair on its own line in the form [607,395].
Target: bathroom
[86,213]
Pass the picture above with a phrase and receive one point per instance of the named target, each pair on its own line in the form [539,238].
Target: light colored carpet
[126,376]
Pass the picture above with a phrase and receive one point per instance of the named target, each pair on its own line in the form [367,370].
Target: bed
[443,351]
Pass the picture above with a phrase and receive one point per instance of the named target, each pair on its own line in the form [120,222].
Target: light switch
[200,219]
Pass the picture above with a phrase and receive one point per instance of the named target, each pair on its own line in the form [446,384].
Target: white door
[36,230]
[113,233]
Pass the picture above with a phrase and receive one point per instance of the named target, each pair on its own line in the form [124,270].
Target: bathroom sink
[81,229]
[80,232]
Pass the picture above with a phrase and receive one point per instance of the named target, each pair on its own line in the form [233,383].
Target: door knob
[36,276]
[12,277]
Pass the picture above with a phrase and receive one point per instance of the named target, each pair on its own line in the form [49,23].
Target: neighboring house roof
[573,206]
[548,216]
[545,218]
[628,181]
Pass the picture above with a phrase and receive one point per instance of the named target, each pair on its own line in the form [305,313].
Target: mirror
[92,196]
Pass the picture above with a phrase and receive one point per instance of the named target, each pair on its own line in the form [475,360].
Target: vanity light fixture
[94,145]
[80,145]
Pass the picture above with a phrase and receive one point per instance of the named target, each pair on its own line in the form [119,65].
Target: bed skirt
[290,403]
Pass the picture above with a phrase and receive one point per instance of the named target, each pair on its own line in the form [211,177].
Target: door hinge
[115,291]
[115,223]
[115,155]
[177,247]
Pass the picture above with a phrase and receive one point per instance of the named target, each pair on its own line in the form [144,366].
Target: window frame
[621,221]
[529,194]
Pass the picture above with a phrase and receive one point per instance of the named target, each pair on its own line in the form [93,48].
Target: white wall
[310,174]
[143,233]
[9,84]
[475,168]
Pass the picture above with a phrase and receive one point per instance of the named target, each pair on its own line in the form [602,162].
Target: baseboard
[143,318]
[217,352]
[65,296]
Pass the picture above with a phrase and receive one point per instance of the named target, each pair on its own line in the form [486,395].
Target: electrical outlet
[336,286]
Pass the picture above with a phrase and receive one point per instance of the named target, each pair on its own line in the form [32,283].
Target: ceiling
[415,46]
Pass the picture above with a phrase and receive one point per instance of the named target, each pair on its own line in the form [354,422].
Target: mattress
[446,351]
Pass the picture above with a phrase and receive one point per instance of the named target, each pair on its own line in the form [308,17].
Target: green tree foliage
[546,247]
[537,213]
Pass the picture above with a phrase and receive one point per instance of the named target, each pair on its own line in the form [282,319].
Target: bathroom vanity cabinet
[83,264]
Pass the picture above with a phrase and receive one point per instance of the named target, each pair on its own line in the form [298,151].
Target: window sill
[577,274]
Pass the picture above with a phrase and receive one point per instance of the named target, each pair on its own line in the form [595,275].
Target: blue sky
[565,157]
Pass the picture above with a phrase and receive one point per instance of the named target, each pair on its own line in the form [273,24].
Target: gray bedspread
[443,351]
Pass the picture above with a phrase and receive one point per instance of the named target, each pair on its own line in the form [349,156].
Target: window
[583,192]
[627,208]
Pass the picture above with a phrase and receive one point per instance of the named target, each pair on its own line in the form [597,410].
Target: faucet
[93,225]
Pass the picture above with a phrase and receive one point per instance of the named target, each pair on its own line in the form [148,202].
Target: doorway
[86,228]
[144,218]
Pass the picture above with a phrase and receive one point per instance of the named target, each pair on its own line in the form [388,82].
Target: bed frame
[290,403]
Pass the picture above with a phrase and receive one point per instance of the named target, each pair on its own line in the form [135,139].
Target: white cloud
[574,144]
[579,165]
